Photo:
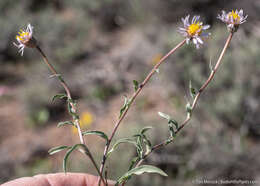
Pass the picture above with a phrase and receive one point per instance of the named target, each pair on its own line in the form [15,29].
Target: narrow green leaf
[65,123]
[136,135]
[124,106]
[145,129]
[95,132]
[136,85]
[74,115]
[148,144]
[140,170]
[133,162]
[66,157]
[188,109]
[139,149]
[139,152]
[124,140]
[85,151]
[60,96]
[174,122]
[139,140]
[57,149]
[192,91]
[165,116]
[157,70]
[74,147]
[171,129]
[69,108]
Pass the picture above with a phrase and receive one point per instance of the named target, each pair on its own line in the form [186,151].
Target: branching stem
[195,101]
[132,99]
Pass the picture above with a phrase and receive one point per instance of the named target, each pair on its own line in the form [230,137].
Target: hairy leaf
[192,91]
[60,96]
[124,140]
[136,85]
[148,144]
[65,123]
[145,129]
[133,162]
[127,102]
[65,160]
[74,147]
[188,109]
[140,170]
[139,149]
[171,129]
[174,122]
[57,149]
[165,116]
[95,132]
[124,107]
[72,112]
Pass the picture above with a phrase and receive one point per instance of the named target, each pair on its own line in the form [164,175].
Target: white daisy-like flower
[233,19]
[194,31]
[25,39]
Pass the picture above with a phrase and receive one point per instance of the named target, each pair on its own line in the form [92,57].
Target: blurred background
[100,46]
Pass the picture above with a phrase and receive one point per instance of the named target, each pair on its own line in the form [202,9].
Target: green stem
[74,110]
[148,77]
[195,101]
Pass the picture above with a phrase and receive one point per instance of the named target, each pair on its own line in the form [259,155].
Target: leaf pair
[121,141]
[142,140]
[138,141]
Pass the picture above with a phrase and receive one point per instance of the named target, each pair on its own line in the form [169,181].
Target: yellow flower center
[22,36]
[194,28]
[234,15]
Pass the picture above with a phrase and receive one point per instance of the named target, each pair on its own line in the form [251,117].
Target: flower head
[194,31]
[233,19]
[25,39]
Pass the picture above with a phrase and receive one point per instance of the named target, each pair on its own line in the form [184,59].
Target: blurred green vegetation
[39,166]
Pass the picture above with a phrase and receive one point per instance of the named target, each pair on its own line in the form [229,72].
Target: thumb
[58,179]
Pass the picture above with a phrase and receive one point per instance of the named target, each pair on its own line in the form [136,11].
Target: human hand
[58,179]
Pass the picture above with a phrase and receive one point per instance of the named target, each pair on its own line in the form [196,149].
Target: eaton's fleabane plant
[233,19]
[194,31]
[25,39]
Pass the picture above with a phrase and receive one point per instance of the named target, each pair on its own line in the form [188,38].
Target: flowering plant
[194,32]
